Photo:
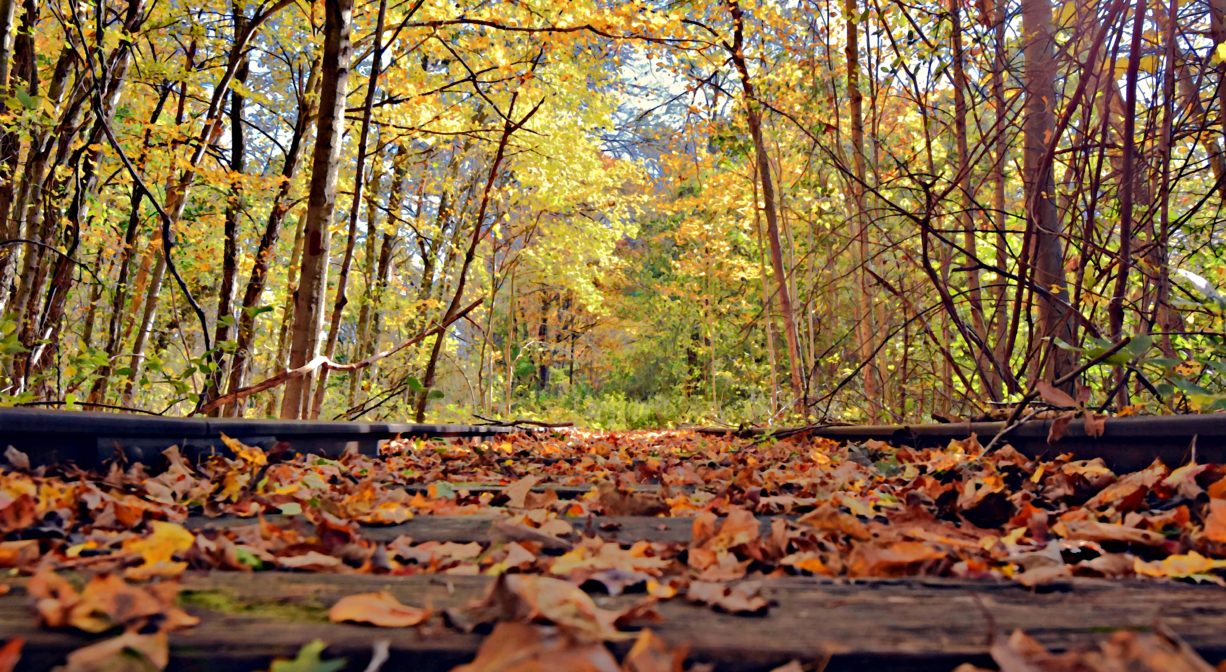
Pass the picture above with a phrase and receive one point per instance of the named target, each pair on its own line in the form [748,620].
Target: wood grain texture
[882,624]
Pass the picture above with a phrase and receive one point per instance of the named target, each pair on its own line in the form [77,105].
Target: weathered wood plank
[463,529]
[897,625]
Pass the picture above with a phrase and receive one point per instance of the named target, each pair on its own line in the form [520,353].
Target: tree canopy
[632,213]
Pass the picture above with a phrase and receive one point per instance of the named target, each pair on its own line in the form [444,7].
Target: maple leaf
[380,609]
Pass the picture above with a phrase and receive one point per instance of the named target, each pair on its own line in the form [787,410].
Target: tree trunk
[234,210]
[359,179]
[308,304]
[1042,218]
[770,207]
[245,336]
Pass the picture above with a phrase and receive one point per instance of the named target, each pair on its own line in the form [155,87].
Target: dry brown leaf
[17,459]
[740,598]
[890,559]
[1130,490]
[381,609]
[310,561]
[517,492]
[829,518]
[1093,530]
[129,652]
[19,553]
[1054,395]
[1095,424]
[652,654]
[528,598]
[17,513]
[519,647]
[1123,650]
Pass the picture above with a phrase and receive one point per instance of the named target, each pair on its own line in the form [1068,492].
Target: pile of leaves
[757,509]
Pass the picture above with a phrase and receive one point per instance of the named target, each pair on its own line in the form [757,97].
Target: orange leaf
[10,654]
[1215,522]
[381,609]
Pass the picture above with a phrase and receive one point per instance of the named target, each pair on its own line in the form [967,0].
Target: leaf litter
[839,510]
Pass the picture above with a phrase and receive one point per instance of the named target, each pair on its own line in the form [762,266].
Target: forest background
[623,213]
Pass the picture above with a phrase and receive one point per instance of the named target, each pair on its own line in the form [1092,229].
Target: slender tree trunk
[265,251]
[1162,315]
[342,278]
[865,319]
[769,206]
[1115,309]
[969,214]
[308,304]
[509,127]
[234,211]
[1042,217]
[287,313]
[119,298]
[16,73]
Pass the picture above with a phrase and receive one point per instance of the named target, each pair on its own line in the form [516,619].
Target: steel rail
[1126,444]
[88,438]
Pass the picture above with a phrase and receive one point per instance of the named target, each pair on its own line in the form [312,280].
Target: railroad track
[916,624]
[89,439]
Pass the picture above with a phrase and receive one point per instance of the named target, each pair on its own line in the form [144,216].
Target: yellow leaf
[158,551]
[1178,566]
[1219,53]
[251,455]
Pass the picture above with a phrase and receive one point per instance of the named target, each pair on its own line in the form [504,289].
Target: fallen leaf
[1129,491]
[518,491]
[1191,564]
[829,518]
[129,652]
[1054,395]
[158,550]
[1093,530]
[741,598]
[652,654]
[309,660]
[10,654]
[381,609]
[254,457]
[17,459]
[17,513]
[1215,521]
[890,559]
[519,647]
[527,598]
